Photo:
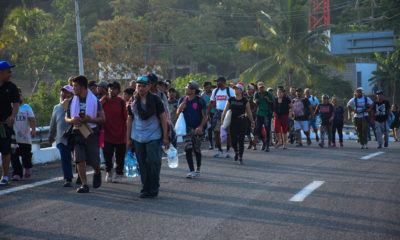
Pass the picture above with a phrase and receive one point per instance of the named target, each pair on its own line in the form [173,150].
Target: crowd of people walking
[96,120]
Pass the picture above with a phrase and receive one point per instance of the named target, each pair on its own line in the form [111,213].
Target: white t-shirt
[22,127]
[361,108]
[221,97]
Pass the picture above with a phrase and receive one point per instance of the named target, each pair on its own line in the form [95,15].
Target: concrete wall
[366,70]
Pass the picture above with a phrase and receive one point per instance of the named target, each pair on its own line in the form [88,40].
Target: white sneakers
[109,177]
[193,174]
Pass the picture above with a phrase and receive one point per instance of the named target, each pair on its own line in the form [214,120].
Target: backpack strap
[228,92]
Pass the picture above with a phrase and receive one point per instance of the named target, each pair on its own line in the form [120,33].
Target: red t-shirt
[116,116]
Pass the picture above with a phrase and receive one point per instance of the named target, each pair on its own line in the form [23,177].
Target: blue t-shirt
[192,113]
[339,111]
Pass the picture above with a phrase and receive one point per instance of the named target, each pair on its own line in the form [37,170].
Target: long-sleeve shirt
[58,125]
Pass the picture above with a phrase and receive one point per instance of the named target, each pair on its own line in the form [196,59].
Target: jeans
[382,128]
[25,151]
[266,121]
[149,159]
[339,128]
[119,150]
[66,159]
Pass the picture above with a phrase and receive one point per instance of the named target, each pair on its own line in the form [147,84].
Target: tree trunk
[289,79]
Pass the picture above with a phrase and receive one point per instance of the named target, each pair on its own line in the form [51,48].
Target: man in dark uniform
[9,105]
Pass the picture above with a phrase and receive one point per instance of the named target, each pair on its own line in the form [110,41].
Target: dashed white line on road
[371,155]
[43,182]
[300,196]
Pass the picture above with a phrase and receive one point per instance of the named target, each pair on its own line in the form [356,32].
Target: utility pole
[79,38]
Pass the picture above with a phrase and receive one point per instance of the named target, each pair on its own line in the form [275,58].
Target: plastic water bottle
[131,165]
[172,157]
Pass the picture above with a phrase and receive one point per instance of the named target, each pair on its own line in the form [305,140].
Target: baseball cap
[193,85]
[115,84]
[143,79]
[240,86]
[68,88]
[378,92]
[325,96]
[221,79]
[103,84]
[250,86]
[206,84]
[5,65]
[269,89]
[152,77]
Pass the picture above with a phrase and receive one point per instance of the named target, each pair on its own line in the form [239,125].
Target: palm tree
[388,71]
[289,49]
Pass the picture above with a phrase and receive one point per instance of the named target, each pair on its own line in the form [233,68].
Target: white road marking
[371,155]
[43,182]
[300,196]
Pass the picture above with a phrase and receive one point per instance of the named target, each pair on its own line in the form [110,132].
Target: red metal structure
[319,14]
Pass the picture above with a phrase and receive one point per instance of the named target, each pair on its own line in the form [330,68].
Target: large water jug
[131,165]
[172,157]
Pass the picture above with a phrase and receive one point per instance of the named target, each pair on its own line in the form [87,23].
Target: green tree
[388,72]
[180,83]
[288,48]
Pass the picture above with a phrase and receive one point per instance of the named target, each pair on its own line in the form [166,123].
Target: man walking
[302,111]
[9,105]
[263,99]
[361,106]
[312,122]
[194,112]
[58,127]
[218,99]
[147,126]
[85,112]
[382,113]
[114,132]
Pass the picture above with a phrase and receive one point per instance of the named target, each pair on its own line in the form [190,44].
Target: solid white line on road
[51,180]
[300,196]
[371,155]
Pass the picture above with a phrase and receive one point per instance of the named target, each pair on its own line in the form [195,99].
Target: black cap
[115,84]
[152,77]
[206,84]
[379,92]
[221,79]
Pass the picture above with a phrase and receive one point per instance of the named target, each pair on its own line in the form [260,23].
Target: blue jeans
[149,159]
[66,159]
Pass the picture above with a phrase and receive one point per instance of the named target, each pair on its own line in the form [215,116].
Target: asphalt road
[359,199]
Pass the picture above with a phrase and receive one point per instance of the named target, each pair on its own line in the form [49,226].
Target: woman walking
[396,122]
[240,108]
[337,123]
[282,105]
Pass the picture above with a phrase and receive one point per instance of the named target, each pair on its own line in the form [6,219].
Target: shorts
[87,149]
[5,143]
[216,121]
[301,125]
[313,123]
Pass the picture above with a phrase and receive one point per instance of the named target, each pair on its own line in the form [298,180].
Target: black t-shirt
[381,110]
[326,111]
[238,107]
[282,108]
[8,94]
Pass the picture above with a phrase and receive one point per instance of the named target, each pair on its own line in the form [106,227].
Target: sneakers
[16,178]
[97,180]
[67,183]
[362,146]
[109,177]
[227,155]
[83,189]
[341,144]
[117,179]
[218,154]
[333,145]
[27,172]
[148,195]
[321,145]
[197,173]
[191,175]
[309,141]
[4,181]
[379,146]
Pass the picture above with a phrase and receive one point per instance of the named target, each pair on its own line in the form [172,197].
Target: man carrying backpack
[263,99]
[382,113]
[313,123]
[218,99]
[302,109]
[194,112]
[361,106]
